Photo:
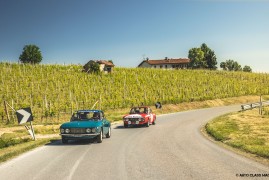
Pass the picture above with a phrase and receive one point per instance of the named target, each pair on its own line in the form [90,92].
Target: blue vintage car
[86,124]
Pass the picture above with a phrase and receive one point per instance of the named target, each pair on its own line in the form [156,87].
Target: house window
[154,66]
[108,69]
[166,66]
[161,66]
[173,66]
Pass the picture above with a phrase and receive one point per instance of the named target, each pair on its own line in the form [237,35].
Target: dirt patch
[10,129]
[44,136]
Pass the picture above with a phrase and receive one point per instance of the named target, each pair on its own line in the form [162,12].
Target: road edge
[240,152]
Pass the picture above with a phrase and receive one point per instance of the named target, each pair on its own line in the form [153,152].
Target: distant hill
[54,89]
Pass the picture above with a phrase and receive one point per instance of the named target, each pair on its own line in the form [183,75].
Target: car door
[105,123]
[150,115]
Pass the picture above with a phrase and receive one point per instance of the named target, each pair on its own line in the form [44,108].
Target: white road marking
[74,168]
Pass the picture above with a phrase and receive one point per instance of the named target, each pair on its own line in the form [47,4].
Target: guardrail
[254,105]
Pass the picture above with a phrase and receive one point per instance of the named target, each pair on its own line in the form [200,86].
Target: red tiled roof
[167,61]
[105,62]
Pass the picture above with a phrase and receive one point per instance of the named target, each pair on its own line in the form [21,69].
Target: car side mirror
[106,124]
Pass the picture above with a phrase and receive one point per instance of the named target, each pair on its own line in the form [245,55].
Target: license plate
[137,122]
[129,122]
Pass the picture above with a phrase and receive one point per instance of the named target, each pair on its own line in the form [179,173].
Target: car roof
[89,110]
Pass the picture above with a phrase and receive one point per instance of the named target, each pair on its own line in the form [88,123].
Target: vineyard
[53,91]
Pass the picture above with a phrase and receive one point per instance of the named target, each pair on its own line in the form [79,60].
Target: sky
[127,31]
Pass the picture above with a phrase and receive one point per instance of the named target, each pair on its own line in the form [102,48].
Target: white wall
[164,66]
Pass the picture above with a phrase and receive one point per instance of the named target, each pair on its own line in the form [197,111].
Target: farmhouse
[104,65]
[181,63]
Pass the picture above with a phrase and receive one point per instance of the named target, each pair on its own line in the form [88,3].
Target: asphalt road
[172,149]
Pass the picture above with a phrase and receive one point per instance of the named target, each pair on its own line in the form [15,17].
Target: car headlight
[126,119]
[88,130]
[67,130]
[93,130]
[141,119]
[62,130]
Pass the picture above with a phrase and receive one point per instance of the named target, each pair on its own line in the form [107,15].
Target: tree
[247,69]
[237,67]
[110,61]
[202,57]
[92,67]
[196,56]
[209,57]
[31,54]
[230,65]
[223,65]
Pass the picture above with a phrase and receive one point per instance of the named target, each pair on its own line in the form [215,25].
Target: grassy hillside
[247,131]
[54,90]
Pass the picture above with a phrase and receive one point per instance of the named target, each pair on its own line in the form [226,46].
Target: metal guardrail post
[254,105]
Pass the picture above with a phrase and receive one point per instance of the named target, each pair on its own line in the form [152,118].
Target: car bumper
[79,136]
[135,122]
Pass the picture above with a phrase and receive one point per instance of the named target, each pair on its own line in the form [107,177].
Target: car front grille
[133,119]
[78,130]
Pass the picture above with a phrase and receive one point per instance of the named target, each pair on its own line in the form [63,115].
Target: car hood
[81,124]
[135,116]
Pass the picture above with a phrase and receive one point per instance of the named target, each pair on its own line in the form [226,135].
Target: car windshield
[85,115]
[138,110]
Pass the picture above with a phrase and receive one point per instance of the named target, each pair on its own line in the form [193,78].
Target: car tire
[64,141]
[100,137]
[109,133]
[154,122]
[147,125]
[126,125]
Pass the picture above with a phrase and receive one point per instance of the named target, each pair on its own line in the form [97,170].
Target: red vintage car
[141,115]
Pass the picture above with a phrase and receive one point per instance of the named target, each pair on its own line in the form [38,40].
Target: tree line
[204,58]
[200,58]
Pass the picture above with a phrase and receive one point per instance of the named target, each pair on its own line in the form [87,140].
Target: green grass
[222,128]
[9,139]
[247,131]
[22,136]
[18,141]
[13,151]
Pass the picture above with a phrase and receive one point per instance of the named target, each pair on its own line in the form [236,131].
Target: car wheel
[147,125]
[126,125]
[100,137]
[154,122]
[64,141]
[109,133]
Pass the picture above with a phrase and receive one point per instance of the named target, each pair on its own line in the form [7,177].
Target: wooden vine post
[6,111]
[260,108]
